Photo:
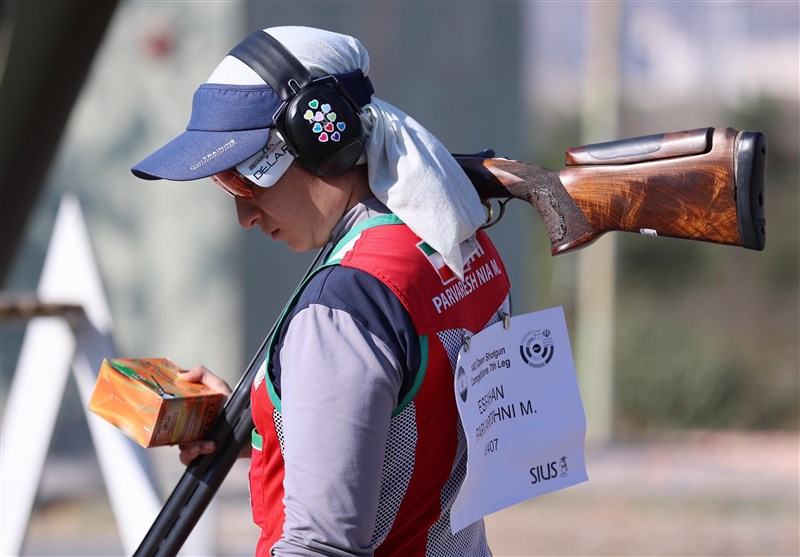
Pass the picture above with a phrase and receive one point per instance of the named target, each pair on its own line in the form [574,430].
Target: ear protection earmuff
[319,118]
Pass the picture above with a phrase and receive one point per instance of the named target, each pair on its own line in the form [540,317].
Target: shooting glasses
[234,183]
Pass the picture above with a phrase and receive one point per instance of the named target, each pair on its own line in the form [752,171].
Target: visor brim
[198,154]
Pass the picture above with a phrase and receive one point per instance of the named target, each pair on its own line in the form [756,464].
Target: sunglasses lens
[233,184]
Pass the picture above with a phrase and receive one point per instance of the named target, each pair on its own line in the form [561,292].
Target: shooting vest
[426,450]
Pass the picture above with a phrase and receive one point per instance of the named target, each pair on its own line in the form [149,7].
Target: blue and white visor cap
[231,122]
[268,165]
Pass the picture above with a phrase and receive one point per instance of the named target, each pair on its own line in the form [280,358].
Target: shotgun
[705,184]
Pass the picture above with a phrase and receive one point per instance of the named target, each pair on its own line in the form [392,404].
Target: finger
[190,451]
[195,374]
[187,456]
[201,374]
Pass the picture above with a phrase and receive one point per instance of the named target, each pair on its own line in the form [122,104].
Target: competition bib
[518,398]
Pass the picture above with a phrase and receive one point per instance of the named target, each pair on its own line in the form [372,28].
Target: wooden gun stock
[705,184]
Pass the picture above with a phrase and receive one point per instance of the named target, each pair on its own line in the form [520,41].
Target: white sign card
[519,402]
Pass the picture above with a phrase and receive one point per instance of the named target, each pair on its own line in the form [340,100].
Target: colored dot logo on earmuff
[322,121]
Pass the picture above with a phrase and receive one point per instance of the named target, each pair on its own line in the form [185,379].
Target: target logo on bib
[537,347]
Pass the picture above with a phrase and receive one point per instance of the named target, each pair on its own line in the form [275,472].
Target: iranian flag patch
[470,249]
[435,258]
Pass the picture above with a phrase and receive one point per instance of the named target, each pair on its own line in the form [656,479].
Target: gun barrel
[203,477]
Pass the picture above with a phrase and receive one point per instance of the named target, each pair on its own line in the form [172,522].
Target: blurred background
[687,353]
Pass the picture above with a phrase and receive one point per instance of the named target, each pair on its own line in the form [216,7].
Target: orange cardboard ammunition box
[145,399]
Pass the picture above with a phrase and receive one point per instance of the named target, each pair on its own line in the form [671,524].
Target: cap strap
[278,67]
[273,63]
[358,86]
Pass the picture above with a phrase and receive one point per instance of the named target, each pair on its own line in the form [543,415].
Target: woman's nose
[247,214]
